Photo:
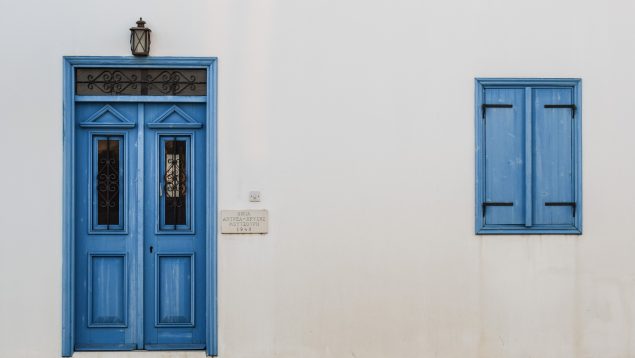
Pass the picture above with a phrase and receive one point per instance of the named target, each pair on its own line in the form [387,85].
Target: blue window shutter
[504,147]
[528,156]
[553,157]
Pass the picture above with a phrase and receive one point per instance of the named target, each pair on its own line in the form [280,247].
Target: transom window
[140,82]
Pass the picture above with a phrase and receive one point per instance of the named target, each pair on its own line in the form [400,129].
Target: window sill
[569,230]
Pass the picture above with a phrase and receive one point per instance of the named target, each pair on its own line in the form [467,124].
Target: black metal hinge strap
[573,107]
[484,107]
[572,204]
[494,203]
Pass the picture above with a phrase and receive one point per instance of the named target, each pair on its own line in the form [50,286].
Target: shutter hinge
[494,203]
[572,204]
[484,107]
[573,107]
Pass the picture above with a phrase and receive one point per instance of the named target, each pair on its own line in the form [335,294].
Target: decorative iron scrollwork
[112,82]
[108,182]
[154,82]
[175,183]
[172,82]
[174,177]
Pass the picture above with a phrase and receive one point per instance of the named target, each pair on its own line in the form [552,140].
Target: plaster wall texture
[356,122]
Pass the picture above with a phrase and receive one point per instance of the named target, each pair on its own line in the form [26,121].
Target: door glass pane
[175,182]
[108,176]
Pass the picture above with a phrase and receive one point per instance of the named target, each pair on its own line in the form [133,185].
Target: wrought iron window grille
[108,182]
[133,81]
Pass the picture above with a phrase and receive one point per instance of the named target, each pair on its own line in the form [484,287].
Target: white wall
[355,120]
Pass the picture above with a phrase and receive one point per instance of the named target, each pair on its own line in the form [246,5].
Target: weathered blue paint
[504,143]
[107,117]
[175,117]
[176,347]
[528,155]
[109,304]
[68,208]
[140,228]
[105,255]
[175,296]
[173,316]
[103,261]
[553,157]
[529,185]
[211,268]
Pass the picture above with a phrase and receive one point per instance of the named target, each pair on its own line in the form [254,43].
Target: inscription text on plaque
[244,221]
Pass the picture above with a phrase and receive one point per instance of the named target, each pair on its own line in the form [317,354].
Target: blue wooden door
[140,226]
[105,244]
[174,268]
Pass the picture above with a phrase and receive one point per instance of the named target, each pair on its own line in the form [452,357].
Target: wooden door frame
[68,228]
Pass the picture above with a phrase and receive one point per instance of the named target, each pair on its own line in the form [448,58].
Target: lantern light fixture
[140,39]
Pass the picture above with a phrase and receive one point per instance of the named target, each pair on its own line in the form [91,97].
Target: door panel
[107,290]
[104,251]
[175,289]
[175,229]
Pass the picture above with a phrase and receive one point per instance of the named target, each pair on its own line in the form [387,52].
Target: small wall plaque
[244,221]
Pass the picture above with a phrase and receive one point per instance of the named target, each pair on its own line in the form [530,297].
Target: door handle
[151,248]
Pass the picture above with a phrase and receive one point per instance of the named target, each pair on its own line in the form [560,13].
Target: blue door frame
[69,185]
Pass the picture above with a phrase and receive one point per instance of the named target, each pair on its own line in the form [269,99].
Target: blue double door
[140,226]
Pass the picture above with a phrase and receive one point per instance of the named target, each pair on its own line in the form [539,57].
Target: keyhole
[151,248]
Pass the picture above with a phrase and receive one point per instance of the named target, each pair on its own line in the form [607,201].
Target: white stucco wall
[355,120]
